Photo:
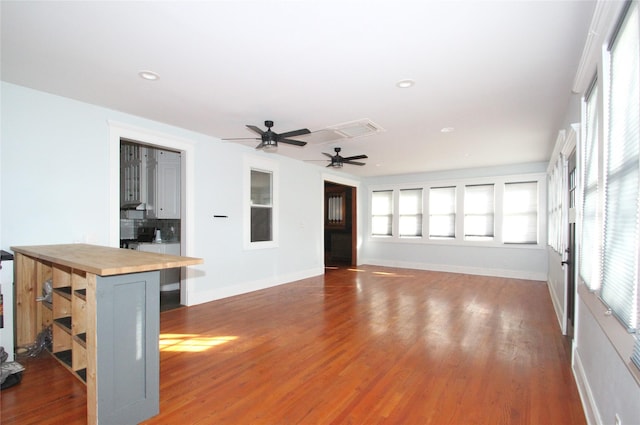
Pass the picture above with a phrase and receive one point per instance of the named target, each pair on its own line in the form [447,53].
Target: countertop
[105,261]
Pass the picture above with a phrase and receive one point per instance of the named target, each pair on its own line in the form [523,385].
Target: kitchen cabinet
[163,177]
[104,314]
[134,175]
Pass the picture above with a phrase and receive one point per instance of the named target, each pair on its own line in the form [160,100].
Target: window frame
[252,163]
[498,181]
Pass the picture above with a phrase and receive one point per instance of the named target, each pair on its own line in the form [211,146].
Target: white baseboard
[513,274]
[586,396]
[219,292]
[557,307]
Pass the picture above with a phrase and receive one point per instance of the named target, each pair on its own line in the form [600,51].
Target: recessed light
[447,130]
[148,75]
[405,84]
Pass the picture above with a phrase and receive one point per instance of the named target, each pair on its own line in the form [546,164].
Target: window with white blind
[442,212]
[555,206]
[589,264]
[479,212]
[520,213]
[621,148]
[610,192]
[382,213]
[410,213]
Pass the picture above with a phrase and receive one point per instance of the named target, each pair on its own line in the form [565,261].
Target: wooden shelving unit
[112,350]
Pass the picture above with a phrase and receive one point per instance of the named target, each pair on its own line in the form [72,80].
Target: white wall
[57,188]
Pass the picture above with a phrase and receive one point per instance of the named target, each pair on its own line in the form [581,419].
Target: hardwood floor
[355,346]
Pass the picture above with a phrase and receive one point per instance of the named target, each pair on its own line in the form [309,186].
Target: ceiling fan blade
[255,129]
[294,133]
[353,162]
[292,142]
[260,145]
[349,158]
[327,154]
[243,138]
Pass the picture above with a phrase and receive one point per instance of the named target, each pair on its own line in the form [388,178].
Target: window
[478,212]
[589,251]
[520,216]
[442,212]
[555,205]
[610,238]
[410,211]
[621,149]
[382,213]
[261,206]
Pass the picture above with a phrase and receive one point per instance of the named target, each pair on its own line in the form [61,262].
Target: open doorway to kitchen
[150,201]
[150,183]
[340,224]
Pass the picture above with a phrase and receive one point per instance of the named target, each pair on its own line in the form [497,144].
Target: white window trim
[270,166]
[497,181]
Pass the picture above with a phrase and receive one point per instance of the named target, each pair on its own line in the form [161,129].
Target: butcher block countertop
[105,261]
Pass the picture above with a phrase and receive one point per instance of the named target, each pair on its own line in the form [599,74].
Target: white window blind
[442,212]
[620,244]
[478,212]
[555,205]
[589,269]
[520,213]
[381,213]
[410,213]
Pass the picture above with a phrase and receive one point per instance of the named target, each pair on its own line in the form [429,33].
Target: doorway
[340,224]
[150,206]
[186,149]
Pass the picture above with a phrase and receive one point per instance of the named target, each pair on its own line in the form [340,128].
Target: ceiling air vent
[347,130]
[358,128]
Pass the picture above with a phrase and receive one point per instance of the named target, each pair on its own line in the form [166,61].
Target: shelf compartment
[65,357]
[81,339]
[61,276]
[81,293]
[61,337]
[79,355]
[64,292]
[82,374]
[61,305]
[65,323]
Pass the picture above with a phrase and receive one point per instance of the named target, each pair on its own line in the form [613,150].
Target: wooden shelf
[81,339]
[64,356]
[64,323]
[81,293]
[65,292]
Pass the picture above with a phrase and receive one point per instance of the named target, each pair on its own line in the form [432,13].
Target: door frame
[356,236]
[568,217]
[118,131]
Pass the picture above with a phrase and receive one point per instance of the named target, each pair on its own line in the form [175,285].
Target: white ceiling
[499,72]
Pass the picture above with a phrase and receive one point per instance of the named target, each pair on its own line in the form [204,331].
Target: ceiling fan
[269,139]
[338,161]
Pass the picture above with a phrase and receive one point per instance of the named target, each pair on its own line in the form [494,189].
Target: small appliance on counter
[146,234]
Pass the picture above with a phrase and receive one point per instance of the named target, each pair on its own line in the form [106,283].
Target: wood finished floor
[355,346]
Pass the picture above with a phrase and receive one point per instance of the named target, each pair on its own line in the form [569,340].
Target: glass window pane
[442,212]
[382,213]
[410,208]
[520,218]
[260,187]
[622,154]
[261,206]
[478,212]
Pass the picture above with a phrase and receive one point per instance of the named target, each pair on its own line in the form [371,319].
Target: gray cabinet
[127,358]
